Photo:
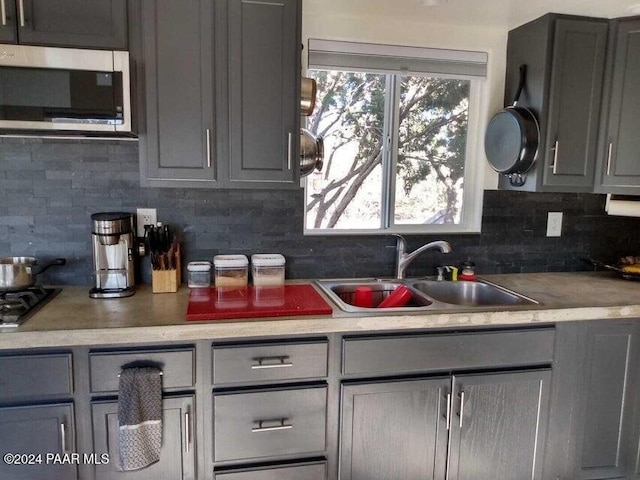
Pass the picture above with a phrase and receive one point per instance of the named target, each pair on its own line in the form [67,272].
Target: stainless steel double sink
[428,294]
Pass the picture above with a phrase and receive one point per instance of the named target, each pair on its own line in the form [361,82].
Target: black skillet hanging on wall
[512,139]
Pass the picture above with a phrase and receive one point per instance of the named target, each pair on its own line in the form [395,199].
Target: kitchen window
[400,132]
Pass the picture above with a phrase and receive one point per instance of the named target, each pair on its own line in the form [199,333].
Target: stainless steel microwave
[66,89]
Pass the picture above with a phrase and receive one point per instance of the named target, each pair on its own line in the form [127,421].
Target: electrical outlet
[554,224]
[145,216]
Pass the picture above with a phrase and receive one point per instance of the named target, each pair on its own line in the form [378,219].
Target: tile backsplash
[49,189]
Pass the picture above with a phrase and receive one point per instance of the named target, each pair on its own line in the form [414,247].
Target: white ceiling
[487,13]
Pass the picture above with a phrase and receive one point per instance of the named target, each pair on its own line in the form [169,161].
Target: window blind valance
[338,55]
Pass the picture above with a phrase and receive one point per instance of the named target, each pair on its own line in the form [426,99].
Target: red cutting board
[255,302]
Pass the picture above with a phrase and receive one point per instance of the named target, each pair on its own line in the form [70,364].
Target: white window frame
[472,196]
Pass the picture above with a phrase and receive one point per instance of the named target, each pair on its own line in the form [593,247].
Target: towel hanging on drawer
[139,417]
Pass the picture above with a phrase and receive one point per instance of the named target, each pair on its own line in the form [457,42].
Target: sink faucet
[403,259]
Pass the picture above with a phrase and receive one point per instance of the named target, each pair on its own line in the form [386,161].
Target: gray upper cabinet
[565,58]
[264,70]
[176,75]
[619,152]
[223,116]
[67,23]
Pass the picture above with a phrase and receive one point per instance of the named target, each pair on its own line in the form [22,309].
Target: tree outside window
[395,151]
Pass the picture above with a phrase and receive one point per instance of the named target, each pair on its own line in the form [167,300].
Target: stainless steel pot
[16,273]
[308,89]
[311,152]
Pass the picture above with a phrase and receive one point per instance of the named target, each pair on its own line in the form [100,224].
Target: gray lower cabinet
[314,471]
[619,152]
[594,427]
[255,425]
[264,76]
[177,457]
[39,433]
[565,59]
[498,425]
[475,427]
[394,429]
[29,377]
[175,73]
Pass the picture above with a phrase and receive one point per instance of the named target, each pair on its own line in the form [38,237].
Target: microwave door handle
[3,9]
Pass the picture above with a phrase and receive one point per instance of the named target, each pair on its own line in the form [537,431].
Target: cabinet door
[44,430]
[177,457]
[620,150]
[607,436]
[264,77]
[73,23]
[8,22]
[394,430]
[498,426]
[176,143]
[577,75]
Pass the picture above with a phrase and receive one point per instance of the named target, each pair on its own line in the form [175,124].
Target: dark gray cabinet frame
[243,87]
[585,378]
[618,169]
[565,58]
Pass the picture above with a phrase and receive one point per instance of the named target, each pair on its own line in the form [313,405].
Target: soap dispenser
[467,272]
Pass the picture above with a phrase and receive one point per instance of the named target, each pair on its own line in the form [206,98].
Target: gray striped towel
[139,417]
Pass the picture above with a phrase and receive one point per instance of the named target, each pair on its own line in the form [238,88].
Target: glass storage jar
[199,274]
[231,270]
[267,269]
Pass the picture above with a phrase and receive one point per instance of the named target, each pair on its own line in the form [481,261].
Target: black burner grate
[16,307]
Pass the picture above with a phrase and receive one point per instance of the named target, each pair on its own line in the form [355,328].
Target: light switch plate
[554,224]
[145,216]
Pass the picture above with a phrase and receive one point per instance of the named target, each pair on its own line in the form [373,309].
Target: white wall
[378,27]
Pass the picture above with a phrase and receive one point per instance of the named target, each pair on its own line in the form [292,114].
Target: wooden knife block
[167,281]
[164,281]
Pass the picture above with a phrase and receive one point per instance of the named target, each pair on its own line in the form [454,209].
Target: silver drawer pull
[21,12]
[187,430]
[448,411]
[161,373]
[555,149]
[208,148]
[271,362]
[63,438]
[283,426]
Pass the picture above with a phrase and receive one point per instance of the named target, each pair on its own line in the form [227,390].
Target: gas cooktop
[16,307]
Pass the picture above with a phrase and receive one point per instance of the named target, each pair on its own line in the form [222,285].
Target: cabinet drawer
[177,367]
[266,362]
[269,423]
[385,355]
[35,375]
[296,472]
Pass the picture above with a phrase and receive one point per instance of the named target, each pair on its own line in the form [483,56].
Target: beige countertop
[72,318]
